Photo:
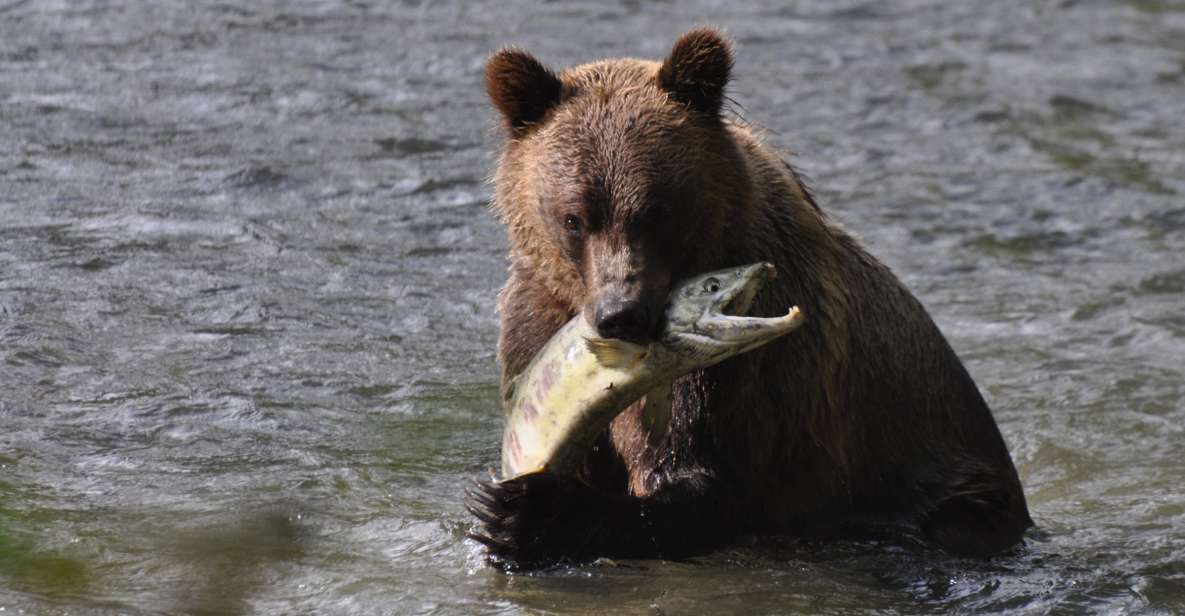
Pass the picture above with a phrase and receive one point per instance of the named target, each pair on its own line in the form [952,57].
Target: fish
[578,382]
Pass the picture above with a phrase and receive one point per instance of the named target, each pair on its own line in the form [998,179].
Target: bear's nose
[623,319]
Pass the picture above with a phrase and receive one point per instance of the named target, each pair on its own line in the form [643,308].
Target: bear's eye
[572,225]
[711,285]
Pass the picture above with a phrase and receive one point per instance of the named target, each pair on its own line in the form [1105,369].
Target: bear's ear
[697,70]
[521,88]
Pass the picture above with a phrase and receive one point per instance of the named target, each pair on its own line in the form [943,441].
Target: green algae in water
[28,568]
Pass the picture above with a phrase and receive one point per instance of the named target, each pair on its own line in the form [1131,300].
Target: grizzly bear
[622,177]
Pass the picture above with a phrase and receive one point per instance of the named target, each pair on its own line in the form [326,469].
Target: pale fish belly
[563,400]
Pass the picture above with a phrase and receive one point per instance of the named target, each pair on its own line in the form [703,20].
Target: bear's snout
[624,319]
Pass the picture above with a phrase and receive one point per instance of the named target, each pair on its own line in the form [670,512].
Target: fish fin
[656,414]
[612,353]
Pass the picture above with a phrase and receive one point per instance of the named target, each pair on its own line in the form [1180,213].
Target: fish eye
[711,285]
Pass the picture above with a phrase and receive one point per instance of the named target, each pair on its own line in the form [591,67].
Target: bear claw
[530,521]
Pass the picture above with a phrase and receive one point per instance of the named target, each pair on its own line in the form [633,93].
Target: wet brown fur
[864,413]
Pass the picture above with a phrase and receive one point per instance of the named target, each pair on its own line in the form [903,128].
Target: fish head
[706,319]
[713,293]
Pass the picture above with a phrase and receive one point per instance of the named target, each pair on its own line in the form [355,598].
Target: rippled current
[247,281]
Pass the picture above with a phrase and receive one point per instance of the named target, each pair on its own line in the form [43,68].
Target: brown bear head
[618,177]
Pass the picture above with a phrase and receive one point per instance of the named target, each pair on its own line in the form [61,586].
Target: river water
[247,281]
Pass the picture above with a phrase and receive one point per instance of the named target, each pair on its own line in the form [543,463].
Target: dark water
[247,284]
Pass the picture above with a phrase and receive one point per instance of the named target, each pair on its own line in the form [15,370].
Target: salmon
[578,382]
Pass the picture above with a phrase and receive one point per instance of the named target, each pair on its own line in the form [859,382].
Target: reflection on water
[247,284]
[231,561]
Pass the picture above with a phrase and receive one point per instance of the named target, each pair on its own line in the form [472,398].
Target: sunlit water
[247,282]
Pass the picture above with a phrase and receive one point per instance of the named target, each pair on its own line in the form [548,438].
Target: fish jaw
[708,295]
[702,333]
[723,336]
[734,330]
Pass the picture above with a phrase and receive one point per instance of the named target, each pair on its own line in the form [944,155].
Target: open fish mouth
[725,320]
